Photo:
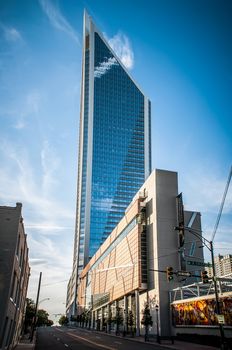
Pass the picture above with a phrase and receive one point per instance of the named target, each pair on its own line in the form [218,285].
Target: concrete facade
[118,276]
[14,274]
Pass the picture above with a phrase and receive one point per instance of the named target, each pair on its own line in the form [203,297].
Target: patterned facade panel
[131,213]
[125,278]
[118,273]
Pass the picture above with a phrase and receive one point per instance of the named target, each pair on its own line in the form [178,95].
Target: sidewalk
[26,344]
[178,345]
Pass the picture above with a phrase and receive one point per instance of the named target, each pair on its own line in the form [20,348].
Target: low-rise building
[14,274]
[129,270]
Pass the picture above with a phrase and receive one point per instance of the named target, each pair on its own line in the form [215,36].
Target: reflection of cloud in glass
[104,67]
[122,47]
[103,204]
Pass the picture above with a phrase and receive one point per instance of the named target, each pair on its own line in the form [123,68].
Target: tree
[50,323]
[131,322]
[109,320]
[84,319]
[29,314]
[42,318]
[63,321]
[118,319]
[146,320]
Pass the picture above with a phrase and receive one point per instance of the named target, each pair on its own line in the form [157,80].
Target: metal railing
[199,289]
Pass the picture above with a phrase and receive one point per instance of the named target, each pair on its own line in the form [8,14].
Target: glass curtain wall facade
[114,146]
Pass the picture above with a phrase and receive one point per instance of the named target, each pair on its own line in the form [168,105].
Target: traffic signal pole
[216,295]
[209,245]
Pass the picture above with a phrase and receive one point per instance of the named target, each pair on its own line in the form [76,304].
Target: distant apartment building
[223,265]
[14,274]
[129,268]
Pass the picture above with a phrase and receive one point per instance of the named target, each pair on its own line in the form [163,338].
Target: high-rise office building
[223,265]
[114,147]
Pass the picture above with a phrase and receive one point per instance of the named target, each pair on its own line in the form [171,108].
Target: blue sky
[180,54]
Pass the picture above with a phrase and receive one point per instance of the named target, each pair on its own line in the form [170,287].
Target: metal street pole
[157,324]
[216,295]
[209,244]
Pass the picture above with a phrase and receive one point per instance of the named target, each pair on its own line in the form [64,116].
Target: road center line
[91,342]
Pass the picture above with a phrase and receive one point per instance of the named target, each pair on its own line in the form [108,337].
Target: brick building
[14,274]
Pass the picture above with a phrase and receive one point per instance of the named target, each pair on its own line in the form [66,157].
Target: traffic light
[181,233]
[180,219]
[204,277]
[169,273]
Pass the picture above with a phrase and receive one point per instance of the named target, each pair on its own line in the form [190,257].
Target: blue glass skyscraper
[114,146]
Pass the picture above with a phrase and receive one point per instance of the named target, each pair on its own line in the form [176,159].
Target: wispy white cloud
[121,45]
[33,100]
[30,105]
[11,34]
[57,19]
[47,227]
[205,190]
[48,223]
[35,190]
[38,262]
[50,163]
[104,67]
[20,124]
[54,261]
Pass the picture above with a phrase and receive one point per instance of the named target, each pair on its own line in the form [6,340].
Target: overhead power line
[222,205]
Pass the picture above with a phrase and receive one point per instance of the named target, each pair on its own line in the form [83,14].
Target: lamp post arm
[197,233]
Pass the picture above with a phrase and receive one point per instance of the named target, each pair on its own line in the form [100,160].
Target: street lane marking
[91,342]
[98,337]
[117,342]
[66,345]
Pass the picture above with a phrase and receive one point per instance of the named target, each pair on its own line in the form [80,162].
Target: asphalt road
[61,338]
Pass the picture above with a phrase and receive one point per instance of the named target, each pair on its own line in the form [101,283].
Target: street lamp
[157,323]
[209,245]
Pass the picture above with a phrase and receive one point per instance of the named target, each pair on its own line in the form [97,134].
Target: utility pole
[36,308]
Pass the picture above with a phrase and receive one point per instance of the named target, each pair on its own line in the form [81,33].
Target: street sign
[221,319]
[198,263]
[184,273]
